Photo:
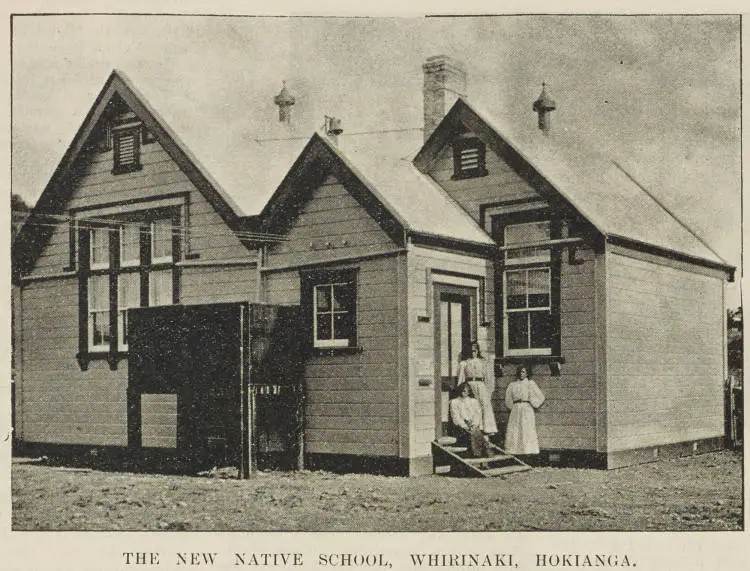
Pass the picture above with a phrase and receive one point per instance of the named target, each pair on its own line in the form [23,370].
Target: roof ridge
[667,210]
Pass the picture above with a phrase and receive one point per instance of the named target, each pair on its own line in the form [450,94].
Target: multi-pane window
[329,305]
[527,288]
[333,314]
[128,263]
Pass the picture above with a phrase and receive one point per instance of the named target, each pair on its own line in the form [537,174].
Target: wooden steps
[454,460]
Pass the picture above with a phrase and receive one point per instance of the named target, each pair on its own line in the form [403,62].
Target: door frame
[467,296]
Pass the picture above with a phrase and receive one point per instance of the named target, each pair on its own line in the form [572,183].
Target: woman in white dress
[522,397]
[477,372]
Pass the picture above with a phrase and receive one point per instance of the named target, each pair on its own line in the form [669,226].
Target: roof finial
[543,106]
[284,100]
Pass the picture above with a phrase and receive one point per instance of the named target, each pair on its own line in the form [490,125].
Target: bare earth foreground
[695,493]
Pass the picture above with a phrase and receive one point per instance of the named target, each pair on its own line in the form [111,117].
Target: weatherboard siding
[501,184]
[217,284]
[330,224]
[61,403]
[352,399]
[665,353]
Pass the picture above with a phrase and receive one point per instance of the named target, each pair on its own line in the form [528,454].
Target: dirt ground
[697,493]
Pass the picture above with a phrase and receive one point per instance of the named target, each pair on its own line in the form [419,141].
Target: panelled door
[455,321]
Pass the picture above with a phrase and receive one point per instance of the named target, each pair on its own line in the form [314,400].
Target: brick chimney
[444,82]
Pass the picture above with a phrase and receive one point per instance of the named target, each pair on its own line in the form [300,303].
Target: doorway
[455,327]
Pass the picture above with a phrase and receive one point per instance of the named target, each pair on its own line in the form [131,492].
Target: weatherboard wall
[664,351]
[353,398]
[501,183]
[60,403]
[329,225]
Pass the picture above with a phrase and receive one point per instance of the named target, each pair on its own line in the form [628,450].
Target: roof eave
[615,239]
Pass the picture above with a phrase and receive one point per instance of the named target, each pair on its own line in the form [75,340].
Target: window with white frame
[329,300]
[527,289]
[125,263]
[333,315]
[99,332]
[128,296]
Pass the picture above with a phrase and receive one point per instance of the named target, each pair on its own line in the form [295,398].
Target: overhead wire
[175,229]
[345,134]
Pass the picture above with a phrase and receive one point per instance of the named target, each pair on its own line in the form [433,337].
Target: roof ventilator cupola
[284,100]
[333,127]
[543,106]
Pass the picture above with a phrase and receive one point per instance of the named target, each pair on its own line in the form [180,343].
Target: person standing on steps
[522,397]
[477,372]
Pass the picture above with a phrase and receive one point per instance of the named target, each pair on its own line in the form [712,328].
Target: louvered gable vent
[468,158]
[127,151]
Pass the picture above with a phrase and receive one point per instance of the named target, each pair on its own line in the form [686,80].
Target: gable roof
[380,164]
[34,234]
[597,187]
[379,168]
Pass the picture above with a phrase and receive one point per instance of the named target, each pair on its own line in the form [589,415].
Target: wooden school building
[155,317]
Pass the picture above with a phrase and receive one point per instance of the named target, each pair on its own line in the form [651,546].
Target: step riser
[450,457]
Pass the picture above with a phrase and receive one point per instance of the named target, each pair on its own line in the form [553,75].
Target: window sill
[331,351]
[112,358]
[532,359]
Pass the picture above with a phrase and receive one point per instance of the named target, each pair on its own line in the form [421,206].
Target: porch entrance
[213,385]
[455,325]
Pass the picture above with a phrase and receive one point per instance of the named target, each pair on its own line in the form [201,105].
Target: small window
[98,314]
[333,315]
[128,295]
[130,244]
[527,309]
[330,302]
[161,240]
[160,288]
[99,254]
[127,151]
[527,233]
[468,158]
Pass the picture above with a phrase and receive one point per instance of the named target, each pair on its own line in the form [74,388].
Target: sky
[660,94]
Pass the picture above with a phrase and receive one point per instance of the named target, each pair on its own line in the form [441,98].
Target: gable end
[315,163]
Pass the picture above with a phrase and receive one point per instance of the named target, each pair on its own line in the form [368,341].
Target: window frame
[313,280]
[504,265]
[115,270]
[460,146]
